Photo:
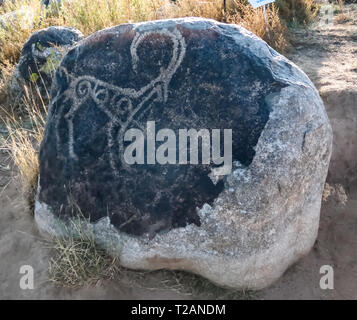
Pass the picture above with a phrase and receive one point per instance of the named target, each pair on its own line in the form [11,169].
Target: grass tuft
[184,284]
[92,15]
[297,12]
[268,26]
[78,261]
[25,134]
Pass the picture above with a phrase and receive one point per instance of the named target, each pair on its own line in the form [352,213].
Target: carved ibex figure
[121,105]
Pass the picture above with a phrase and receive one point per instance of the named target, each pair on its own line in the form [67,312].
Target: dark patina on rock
[120,78]
[41,55]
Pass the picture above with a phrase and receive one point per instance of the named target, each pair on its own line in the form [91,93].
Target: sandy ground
[329,56]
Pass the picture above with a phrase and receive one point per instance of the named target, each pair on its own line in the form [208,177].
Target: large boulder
[40,57]
[239,228]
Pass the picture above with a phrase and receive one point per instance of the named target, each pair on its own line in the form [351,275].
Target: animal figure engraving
[121,105]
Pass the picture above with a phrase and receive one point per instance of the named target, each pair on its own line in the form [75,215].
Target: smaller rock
[40,56]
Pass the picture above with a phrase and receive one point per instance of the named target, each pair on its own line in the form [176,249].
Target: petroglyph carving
[121,105]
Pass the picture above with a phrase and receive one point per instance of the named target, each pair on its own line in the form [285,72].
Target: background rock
[243,231]
[40,57]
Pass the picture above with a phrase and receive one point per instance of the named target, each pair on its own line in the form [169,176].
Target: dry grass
[269,28]
[336,192]
[297,12]
[92,15]
[16,31]
[342,14]
[341,18]
[78,261]
[23,141]
[6,70]
[183,283]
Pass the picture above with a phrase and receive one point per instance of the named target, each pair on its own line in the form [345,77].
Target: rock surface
[40,57]
[241,230]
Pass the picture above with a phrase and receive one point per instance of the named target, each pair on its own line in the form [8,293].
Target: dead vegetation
[24,137]
[335,192]
[78,261]
[297,12]
[92,15]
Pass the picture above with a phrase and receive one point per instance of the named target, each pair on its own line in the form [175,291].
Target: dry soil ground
[328,54]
